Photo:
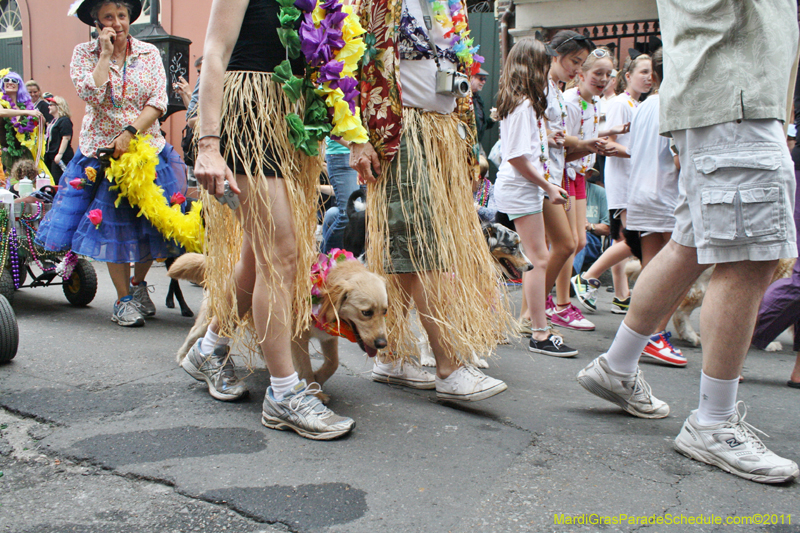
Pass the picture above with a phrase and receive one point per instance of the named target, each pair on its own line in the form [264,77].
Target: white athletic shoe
[734,447]
[402,373]
[629,391]
[468,384]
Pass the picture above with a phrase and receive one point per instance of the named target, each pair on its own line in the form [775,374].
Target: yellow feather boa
[134,174]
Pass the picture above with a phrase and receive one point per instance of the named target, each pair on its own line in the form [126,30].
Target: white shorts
[517,196]
[740,186]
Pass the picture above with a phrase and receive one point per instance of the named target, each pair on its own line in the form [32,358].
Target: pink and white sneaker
[549,306]
[571,318]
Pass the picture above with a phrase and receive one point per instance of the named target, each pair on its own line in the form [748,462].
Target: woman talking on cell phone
[123,83]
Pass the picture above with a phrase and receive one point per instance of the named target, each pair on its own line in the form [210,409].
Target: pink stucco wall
[48,37]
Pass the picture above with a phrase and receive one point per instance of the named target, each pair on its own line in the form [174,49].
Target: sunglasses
[578,37]
[10,80]
[600,53]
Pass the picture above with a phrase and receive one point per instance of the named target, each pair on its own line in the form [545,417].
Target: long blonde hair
[524,77]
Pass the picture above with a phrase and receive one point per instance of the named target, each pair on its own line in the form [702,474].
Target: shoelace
[642,388]
[746,432]
[666,336]
[124,308]
[474,371]
[556,340]
[574,314]
[306,396]
[590,293]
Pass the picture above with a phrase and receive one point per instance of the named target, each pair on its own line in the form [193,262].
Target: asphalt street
[101,431]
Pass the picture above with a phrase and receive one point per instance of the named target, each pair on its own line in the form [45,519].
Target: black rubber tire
[9,332]
[7,285]
[81,286]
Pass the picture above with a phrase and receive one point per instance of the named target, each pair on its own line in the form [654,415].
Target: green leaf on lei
[283,72]
[288,16]
[293,87]
[291,41]
[286,3]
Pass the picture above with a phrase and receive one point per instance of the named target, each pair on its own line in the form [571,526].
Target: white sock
[623,356]
[717,399]
[280,386]
[211,340]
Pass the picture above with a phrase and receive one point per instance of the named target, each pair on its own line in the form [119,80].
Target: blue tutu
[122,237]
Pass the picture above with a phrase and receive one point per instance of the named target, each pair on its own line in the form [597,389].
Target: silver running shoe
[126,313]
[734,447]
[301,411]
[216,370]
[629,391]
[142,299]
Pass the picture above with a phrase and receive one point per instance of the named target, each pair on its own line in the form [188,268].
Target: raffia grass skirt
[421,218]
[255,138]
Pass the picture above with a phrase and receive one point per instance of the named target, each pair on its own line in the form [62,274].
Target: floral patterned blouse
[146,85]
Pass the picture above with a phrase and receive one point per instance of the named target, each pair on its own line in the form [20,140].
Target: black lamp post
[174,54]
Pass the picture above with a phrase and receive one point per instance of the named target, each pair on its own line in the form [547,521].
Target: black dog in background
[355,233]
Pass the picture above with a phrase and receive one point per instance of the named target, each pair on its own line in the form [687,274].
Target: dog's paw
[480,362]
[692,338]
[187,312]
[427,360]
[324,398]
[774,346]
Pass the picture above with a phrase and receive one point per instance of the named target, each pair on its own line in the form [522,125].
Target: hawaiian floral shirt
[146,86]
[381,90]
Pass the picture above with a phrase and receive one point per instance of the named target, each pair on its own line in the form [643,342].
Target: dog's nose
[380,343]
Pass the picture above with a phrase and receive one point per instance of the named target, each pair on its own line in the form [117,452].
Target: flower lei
[134,175]
[631,102]
[455,25]
[584,106]
[329,39]
[20,131]
[319,276]
[483,199]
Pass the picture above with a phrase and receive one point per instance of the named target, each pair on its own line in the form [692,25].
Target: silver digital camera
[452,82]
[229,198]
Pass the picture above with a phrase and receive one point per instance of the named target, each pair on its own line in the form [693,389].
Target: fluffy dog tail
[352,202]
[190,267]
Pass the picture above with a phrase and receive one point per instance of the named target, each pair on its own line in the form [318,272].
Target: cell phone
[100,28]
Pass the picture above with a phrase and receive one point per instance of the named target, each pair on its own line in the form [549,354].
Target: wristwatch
[132,130]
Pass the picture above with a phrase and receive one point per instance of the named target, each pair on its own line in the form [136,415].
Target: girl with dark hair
[637,81]
[524,176]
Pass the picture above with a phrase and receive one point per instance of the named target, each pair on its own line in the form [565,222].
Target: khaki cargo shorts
[739,184]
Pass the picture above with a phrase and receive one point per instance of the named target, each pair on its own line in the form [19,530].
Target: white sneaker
[629,391]
[734,447]
[405,374]
[468,384]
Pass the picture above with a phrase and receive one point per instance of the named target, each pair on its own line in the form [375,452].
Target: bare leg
[562,281]
[651,245]
[620,280]
[412,285]
[531,231]
[796,371]
[121,278]
[140,271]
[562,243]
[728,315]
[616,253]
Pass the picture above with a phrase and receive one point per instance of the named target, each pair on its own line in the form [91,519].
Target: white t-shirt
[522,135]
[418,77]
[575,115]
[653,185]
[556,116]
[618,169]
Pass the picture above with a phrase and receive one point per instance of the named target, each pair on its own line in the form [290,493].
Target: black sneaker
[553,346]
[620,307]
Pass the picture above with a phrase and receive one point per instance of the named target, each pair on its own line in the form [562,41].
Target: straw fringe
[253,115]
[461,286]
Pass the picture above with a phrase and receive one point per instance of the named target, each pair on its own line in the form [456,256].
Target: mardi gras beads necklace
[114,102]
[584,106]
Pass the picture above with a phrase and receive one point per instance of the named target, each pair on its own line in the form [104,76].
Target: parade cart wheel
[7,285]
[81,286]
[9,332]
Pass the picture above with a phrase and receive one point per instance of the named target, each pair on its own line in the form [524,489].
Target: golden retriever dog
[694,298]
[354,301]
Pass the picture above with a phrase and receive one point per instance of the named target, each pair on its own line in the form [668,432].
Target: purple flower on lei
[18,126]
[305,5]
[349,87]
[331,71]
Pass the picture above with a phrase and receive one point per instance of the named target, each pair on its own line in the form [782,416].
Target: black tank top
[258,47]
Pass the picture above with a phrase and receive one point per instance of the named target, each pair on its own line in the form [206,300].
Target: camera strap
[427,17]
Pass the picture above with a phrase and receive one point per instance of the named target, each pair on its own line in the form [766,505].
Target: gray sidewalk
[101,431]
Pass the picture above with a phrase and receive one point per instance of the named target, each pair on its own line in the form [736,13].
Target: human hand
[620,129]
[121,144]
[211,170]
[105,36]
[493,114]
[557,195]
[364,160]
[182,87]
[556,139]
[609,150]
[596,146]
[57,159]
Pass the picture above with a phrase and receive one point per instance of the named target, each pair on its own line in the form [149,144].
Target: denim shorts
[739,185]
